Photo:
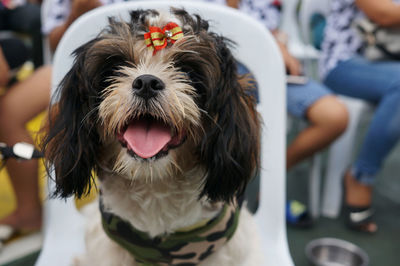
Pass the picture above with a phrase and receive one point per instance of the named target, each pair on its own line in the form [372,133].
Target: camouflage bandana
[185,247]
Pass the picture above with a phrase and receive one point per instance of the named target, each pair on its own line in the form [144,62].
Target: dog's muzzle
[147,86]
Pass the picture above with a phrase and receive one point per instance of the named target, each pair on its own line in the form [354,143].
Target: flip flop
[297,215]
[358,218]
[6,233]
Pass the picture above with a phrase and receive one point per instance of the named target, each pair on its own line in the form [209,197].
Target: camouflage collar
[186,247]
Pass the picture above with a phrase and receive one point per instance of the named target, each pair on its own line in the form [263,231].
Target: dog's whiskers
[211,119]
[134,174]
[151,174]
[83,122]
[176,167]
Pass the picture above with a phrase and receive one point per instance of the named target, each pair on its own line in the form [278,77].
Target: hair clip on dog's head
[157,39]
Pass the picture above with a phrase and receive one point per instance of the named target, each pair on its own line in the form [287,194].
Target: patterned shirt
[341,41]
[268,12]
[58,12]
[265,11]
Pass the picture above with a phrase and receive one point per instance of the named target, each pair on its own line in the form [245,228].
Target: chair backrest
[307,10]
[44,9]
[289,25]
[258,51]
[288,22]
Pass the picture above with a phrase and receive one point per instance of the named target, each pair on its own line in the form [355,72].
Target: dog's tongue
[147,138]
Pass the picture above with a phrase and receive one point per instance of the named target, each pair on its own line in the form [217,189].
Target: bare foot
[358,194]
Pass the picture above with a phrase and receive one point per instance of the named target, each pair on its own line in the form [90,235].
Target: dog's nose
[147,86]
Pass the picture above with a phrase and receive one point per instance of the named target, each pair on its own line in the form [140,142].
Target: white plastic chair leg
[340,157]
[63,224]
[314,186]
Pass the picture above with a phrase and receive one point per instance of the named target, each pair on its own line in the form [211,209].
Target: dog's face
[145,114]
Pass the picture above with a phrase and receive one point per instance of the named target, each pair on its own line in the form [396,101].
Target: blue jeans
[379,83]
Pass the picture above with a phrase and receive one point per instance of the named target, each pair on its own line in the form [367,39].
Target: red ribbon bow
[157,39]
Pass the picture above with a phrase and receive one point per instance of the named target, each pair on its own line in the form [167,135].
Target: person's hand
[385,13]
[293,66]
[233,3]
[80,7]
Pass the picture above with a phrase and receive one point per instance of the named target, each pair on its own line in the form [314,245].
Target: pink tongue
[147,138]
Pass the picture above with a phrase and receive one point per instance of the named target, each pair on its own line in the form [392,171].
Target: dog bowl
[335,252]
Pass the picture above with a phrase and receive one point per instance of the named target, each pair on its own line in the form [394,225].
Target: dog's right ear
[72,142]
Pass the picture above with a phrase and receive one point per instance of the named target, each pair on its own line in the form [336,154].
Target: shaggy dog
[155,107]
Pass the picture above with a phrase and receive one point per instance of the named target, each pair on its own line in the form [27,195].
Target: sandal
[297,215]
[360,219]
[7,232]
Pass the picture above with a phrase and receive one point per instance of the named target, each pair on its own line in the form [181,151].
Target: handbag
[379,42]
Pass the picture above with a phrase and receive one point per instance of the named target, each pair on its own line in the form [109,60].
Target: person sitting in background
[345,70]
[20,103]
[62,13]
[24,17]
[327,117]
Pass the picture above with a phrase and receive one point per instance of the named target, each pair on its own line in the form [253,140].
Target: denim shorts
[300,97]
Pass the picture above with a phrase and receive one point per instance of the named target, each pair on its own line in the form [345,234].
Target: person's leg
[26,19]
[327,118]
[377,82]
[326,115]
[20,104]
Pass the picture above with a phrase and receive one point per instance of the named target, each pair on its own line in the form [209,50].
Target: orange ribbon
[157,39]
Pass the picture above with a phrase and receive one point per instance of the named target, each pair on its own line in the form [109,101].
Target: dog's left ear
[231,144]
[72,142]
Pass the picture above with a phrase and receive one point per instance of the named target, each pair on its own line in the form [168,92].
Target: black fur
[230,147]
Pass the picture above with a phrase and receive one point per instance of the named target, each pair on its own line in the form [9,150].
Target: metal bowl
[335,252]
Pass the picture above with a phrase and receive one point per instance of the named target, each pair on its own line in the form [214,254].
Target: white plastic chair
[307,10]
[257,50]
[289,24]
[341,151]
[306,53]
[47,54]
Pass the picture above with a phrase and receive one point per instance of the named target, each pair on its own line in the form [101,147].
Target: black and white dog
[155,107]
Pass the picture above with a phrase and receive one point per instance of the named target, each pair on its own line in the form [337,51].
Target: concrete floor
[383,247]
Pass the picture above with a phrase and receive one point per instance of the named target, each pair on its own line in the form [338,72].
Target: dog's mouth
[149,138]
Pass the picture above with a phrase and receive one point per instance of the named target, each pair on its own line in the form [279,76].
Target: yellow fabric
[7,198]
